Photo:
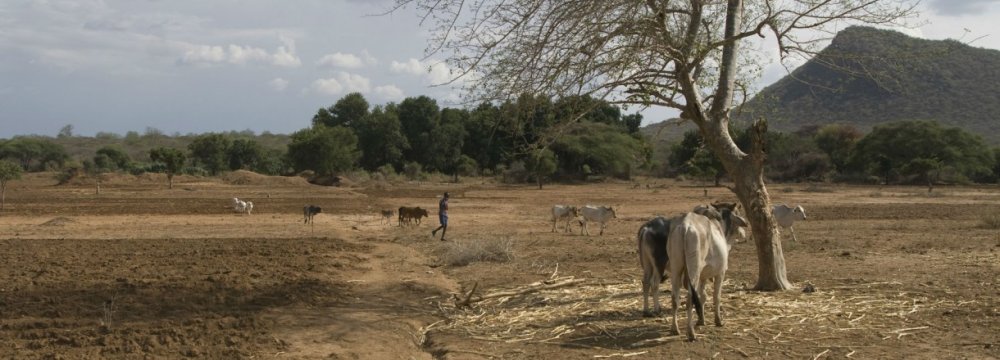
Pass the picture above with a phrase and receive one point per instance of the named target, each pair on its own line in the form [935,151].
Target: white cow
[241,206]
[699,244]
[567,212]
[599,214]
[786,216]
[652,240]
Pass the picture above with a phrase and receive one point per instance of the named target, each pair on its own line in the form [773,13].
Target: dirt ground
[141,271]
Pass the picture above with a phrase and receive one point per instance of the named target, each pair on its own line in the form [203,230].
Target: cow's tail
[695,300]
[691,275]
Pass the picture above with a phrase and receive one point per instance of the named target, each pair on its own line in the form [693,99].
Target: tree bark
[3,194]
[170,181]
[748,176]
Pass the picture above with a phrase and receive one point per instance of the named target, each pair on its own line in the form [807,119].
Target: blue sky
[193,66]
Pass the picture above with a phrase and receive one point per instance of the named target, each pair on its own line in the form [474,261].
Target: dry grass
[591,311]
[989,221]
[465,252]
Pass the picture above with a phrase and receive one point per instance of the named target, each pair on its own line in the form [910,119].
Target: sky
[195,66]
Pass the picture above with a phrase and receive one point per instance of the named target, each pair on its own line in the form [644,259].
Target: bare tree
[677,54]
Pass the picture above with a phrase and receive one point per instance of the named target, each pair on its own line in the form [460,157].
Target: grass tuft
[461,253]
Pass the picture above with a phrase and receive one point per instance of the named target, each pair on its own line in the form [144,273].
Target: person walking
[442,217]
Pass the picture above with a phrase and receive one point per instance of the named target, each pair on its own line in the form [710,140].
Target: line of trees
[523,141]
[907,152]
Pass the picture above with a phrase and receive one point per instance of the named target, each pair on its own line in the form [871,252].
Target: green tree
[349,109]
[116,158]
[913,147]
[34,154]
[245,154]
[446,142]
[100,164]
[838,142]
[381,139]
[633,122]
[542,163]
[419,117]
[689,156]
[210,152]
[172,159]
[325,150]
[600,149]
[8,171]
[487,140]
[682,55]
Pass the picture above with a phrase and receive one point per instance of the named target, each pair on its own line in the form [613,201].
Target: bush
[463,253]
[990,221]
[413,170]
[517,173]
[386,170]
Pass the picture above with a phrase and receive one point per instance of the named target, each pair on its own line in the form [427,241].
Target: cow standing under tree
[700,243]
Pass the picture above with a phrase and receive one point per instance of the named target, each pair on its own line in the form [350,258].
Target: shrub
[990,221]
[413,170]
[463,253]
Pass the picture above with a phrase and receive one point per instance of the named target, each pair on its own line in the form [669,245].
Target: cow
[567,212]
[742,234]
[786,216]
[599,214]
[652,239]
[387,216]
[309,211]
[408,214]
[241,206]
[700,243]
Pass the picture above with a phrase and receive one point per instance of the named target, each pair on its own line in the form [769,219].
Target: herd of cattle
[693,247]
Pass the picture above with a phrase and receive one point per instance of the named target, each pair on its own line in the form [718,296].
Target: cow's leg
[675,289]
[603,225]
[701,305]
[554,221]
[655,289]
[792,229]
[690,313]
[717,296]
[645,292]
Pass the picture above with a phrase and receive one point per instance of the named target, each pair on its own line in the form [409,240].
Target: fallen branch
[620,354]
[821,354]
[535,287]
[738,350]
[459,303]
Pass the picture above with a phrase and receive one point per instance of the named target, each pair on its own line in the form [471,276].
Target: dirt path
[390,298]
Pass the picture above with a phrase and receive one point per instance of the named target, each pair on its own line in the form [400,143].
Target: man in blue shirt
[442,217]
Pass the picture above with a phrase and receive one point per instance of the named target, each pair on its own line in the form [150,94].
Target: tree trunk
[170,181]
[753,195]
[747,173]
[3,194]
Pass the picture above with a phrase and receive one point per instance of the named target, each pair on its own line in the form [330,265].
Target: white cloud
[244,54]
[327,86]
[412,67]
[390,92]
[354,82]
[284,56]
[435,72]
[278,84]
[342,83]
[439,73]
[338,59]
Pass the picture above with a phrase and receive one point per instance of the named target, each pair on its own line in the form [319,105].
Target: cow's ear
[708,212]
[739,221]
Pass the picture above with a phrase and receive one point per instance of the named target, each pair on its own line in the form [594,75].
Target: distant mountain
[869,76]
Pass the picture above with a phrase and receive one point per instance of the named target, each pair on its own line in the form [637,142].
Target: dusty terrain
[141,271]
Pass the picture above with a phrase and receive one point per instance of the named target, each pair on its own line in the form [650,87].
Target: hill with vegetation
[869,76]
